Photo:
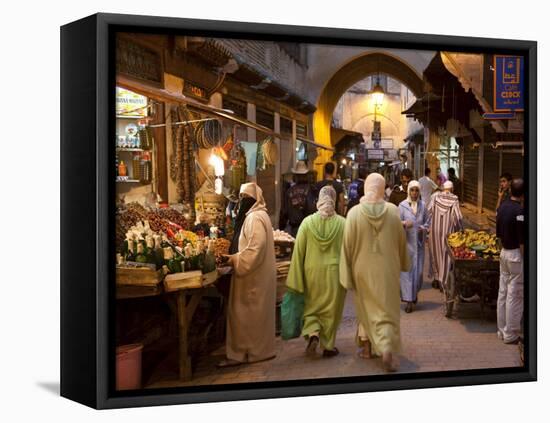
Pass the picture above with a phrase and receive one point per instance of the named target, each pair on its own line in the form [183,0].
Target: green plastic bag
[292,315]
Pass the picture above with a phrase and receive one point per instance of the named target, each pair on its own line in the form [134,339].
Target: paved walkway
[431,342]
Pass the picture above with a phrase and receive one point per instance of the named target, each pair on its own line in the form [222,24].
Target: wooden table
[184,307]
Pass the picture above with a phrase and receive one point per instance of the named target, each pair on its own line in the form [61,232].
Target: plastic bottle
[122,169]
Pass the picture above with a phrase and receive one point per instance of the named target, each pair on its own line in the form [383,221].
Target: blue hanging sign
[508,87]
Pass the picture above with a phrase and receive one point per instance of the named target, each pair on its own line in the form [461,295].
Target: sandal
[312,345]
[227,362]
[366,350]
[387,363]
[331,353]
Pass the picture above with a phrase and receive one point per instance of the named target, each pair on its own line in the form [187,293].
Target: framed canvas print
[260,211]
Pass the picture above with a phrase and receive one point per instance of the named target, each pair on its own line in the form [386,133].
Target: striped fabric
[446,219]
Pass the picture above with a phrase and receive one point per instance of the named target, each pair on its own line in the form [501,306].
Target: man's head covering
[300,168]
[374,188]
[326,201]
[414,204]
[448,185]
[251,189]
[251,199]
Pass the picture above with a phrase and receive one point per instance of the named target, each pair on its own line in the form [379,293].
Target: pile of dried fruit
[221,248]
[125,219]
[173,216]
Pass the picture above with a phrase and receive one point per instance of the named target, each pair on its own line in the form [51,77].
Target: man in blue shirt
[357,188]
[510,230]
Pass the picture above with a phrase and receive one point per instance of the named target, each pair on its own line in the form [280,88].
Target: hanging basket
[270,152]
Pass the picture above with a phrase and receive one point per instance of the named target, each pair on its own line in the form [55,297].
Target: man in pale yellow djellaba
[374,253]
[252,297]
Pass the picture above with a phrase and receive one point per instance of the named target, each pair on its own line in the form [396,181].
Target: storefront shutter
[490,177]
[471,158]
[512,163]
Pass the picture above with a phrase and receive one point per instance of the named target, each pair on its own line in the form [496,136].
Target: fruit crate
[469,277]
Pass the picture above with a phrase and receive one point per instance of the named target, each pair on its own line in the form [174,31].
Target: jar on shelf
[136,166]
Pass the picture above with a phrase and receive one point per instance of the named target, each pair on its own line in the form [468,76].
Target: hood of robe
[324,230]
[253,190]
[375,213]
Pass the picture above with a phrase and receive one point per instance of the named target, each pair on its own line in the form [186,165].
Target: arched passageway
[352,72]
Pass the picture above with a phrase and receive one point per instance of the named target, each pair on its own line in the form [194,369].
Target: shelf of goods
[284,243]
[155,242]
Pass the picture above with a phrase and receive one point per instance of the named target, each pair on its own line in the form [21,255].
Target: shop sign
[373,154]
[508,86]
[129,103]
[376,135]
[498,116]
[138,62]
[386,143]
[192,90]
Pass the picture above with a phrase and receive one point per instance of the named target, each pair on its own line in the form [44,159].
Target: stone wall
[272,60]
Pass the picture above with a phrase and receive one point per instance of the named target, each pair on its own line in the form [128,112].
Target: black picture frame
[87,201]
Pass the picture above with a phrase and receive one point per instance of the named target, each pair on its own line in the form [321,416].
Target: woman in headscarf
[415,219]
[314,273]
[374,252]
[252,295]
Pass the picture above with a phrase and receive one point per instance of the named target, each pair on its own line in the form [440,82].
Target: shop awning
[338,135]
[417,137]
[468,85]
[163,95]
[217,54]
[315,144]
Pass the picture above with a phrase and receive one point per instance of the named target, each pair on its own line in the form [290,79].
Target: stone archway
[352,72]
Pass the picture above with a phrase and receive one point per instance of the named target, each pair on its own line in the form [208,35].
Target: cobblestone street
[430,342]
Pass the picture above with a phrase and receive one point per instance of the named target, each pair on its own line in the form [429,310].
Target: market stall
[170,252]
[157,257]
[475,271]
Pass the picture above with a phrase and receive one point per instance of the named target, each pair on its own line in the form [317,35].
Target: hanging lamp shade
[378,94]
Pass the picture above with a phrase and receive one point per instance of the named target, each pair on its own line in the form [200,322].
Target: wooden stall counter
[183,301]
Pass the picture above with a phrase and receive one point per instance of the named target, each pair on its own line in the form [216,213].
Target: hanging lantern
[378,93]
[217,163]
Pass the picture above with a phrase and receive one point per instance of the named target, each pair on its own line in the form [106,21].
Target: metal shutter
[471,158]
[490,177]
[512,163]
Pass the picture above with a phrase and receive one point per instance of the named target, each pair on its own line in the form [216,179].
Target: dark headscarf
[245,204]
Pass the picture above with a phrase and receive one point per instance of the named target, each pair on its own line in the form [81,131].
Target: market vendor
[203,225]
[252,295]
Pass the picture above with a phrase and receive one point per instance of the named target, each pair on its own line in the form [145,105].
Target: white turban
[448,185]
[374,188]
[326,201]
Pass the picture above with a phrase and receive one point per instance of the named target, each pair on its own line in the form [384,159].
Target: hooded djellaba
[252,296]
[374,252]
[314,273]
[415,218]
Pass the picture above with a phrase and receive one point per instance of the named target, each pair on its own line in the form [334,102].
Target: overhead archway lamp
[378,93]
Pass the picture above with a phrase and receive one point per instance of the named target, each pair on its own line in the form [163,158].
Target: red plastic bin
[128,366]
